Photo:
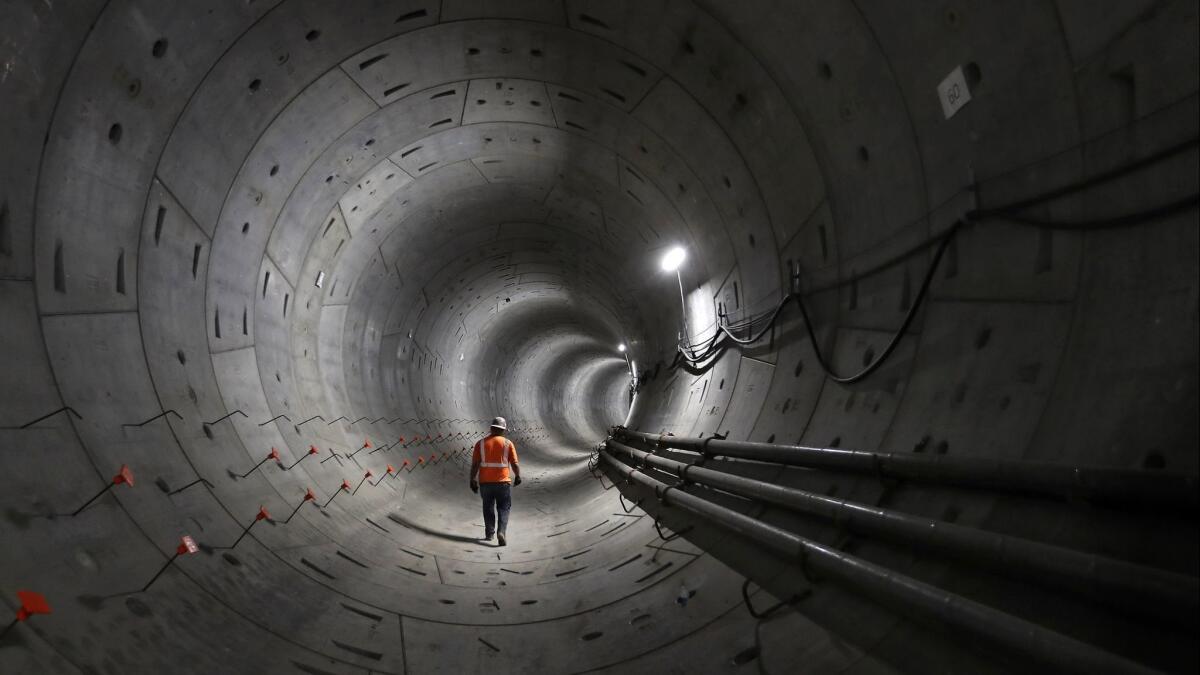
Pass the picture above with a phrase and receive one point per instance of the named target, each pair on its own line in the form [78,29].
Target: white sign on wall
[953,92]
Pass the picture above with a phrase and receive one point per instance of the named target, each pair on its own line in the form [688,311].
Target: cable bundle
[699,355]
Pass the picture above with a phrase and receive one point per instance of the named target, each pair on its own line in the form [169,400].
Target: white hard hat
[499,423]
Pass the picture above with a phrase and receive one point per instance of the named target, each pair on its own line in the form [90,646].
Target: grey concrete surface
[307,223]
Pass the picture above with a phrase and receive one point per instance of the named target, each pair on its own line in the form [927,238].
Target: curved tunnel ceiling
[366,228]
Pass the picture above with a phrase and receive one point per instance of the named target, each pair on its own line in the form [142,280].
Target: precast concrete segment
[347,235]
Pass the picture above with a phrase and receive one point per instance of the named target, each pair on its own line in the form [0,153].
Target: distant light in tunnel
[621,347]
[673,259]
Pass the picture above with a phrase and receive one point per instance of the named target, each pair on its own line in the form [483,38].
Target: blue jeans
[497,500]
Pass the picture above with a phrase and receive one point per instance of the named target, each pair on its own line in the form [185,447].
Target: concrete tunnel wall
[484,190]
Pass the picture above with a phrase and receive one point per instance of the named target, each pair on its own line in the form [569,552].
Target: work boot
[503,540]
[487,536]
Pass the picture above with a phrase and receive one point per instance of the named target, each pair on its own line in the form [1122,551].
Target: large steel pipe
[924,602]
[1128,486]
[1127,586]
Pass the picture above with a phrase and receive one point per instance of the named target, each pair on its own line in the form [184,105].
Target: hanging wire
[755,327]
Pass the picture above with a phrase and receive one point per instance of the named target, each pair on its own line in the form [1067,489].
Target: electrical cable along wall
[267,268]
[751,330]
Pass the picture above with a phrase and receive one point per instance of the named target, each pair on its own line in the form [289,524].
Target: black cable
[1091,181]
[876,269]
[715,345]
[1124,220]
[895,341]
[755,338]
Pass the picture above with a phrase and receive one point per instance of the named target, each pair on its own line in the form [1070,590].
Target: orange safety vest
[495,455]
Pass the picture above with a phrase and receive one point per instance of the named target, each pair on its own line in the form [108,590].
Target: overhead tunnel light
[673,258]
[621,347]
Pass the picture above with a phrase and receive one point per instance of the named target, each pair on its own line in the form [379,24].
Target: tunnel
[832,336]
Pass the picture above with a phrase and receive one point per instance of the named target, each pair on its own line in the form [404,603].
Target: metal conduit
[915,598]
[1124,585]
[1130,486]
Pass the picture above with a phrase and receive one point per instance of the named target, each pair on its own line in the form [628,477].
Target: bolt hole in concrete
[159,49]
[745,656]
[824,70]
[255,84]
[588,637]
[312,35]
[982,338]
[114,134]
[864,155]
[181,356]
[137,607]
[973,74]
[231,559]
[86,560]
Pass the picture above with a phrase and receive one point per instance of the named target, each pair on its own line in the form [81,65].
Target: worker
[494,471]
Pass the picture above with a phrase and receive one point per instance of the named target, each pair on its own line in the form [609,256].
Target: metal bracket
[636,504]
[704,453]
[768,611]
[275,418]
[195,482]
[65,408]
[161,414]
[222,419]
[673,537]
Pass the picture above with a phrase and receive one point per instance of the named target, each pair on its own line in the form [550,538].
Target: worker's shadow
[397,518]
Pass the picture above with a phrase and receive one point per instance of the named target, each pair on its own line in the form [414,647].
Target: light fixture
[621,347]
[673,258]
